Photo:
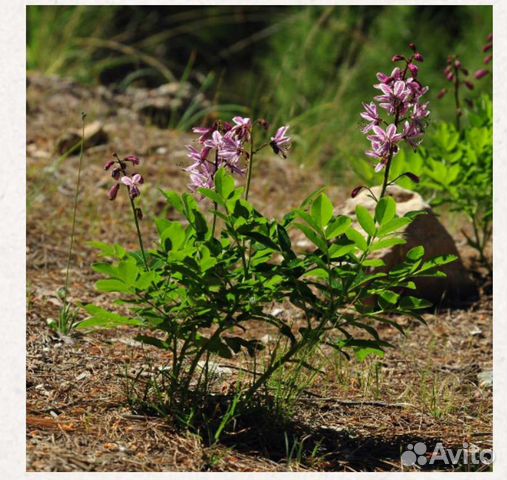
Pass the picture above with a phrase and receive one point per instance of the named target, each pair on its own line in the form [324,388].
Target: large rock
[426,230]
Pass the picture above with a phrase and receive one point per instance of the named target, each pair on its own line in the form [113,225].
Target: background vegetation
[307,66]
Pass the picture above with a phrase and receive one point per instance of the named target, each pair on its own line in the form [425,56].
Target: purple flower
[412,134]
[132,158]
[133,184]
[480,74]
[201,176]
[383,143]
[196,155]
[231,151]
[204,132]
[109,164]
[371,115]
[242,128]
[394,98]
[114,191]
[281,143]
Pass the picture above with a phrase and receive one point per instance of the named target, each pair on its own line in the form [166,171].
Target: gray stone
[426,230]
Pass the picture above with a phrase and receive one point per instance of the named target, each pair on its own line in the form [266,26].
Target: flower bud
[489,38]
[480,74]
[397,58]
[414,70]
[469,85]
[109,164]
[263,123]
[356,191]
[488,59]
[114,191]
[418,57]
[116,173]
[132,158]
[464,70]
[412,46]
[450,76]
[442,93]
[487,47]
[412,177]
[457,63]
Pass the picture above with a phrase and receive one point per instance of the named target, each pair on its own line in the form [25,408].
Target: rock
[94,134]
[426,230]
[157,106]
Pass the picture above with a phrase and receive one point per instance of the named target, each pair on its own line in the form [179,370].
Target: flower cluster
[119,172]
[455,69]
[224,144]
[400,98]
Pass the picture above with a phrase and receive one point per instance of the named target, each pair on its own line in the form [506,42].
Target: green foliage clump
[202,289]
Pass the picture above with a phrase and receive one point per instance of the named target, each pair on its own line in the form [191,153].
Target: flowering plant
[201,289]
[406,114]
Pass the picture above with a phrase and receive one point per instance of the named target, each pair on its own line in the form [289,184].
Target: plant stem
[139,236]
[74,212]
[456,98]
[250,165]
[215,205]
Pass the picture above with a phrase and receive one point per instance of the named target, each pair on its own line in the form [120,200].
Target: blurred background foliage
[308,66]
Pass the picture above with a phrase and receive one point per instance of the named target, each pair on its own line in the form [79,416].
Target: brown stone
[94,134]
[426,230]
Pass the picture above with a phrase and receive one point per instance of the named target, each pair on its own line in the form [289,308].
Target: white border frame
[13,244]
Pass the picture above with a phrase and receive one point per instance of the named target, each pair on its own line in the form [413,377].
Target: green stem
[250,165]
[139,236]
[215,205]
[456,98]
[74,213]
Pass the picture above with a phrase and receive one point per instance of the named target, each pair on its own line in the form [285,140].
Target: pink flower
[133,184]
[384,142]
[371,115]
[114,191]
[204,132]
[393,98]
[281,143]
[196,155]
[242,128]
[480,74]
[412,134]
[132,158]
[201,176]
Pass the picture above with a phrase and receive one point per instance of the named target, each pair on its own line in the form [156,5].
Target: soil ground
[355,417]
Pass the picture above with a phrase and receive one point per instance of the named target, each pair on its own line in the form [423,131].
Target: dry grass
[356,417]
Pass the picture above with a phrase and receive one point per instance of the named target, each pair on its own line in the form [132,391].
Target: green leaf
[175,200]
[322,210]
[387,243]
[337,251]
[415,253]
[156,342]
[365,220]
[113,251]
[414,303]
[100,318]
[389,296]
[312,236]
[385,210]
[338,227]
[374,262]
[224,183]
[310,198]
[357,238]
[112,285]
[212,195]
[393,225]
[173,237]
